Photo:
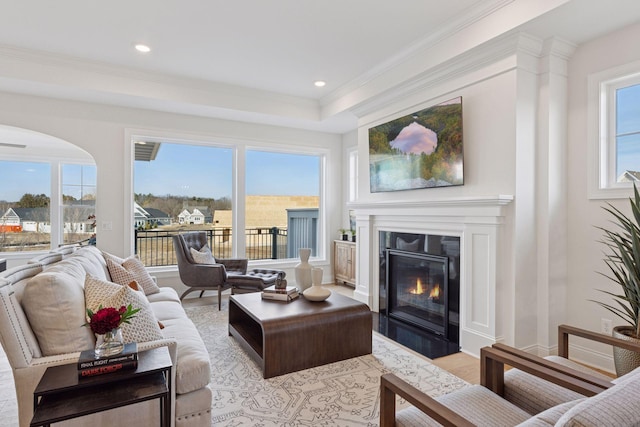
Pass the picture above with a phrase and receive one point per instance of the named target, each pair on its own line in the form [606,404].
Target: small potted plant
[343,231]
[353,235]
[623,260]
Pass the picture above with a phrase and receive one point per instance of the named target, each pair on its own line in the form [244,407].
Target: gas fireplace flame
[418,290]
[435,292]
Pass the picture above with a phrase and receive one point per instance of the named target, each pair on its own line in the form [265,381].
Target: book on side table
[286,294]
[89,365]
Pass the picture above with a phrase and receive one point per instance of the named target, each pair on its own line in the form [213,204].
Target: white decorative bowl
[316,293]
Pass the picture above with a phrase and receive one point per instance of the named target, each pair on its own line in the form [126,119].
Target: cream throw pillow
[54,304]
[144,326]
[131,270]
[203,256]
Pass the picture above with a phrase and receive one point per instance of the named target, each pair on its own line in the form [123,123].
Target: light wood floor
[461,365]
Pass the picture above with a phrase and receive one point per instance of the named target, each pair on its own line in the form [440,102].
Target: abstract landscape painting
[419,150]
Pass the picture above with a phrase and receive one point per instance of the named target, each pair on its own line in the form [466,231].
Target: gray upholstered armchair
[203,277]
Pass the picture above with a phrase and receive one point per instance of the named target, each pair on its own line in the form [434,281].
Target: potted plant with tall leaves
[623,261]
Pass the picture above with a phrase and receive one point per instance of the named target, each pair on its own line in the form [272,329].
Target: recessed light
[143,48]
[319,83]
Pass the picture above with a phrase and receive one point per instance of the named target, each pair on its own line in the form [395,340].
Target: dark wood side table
[287,337]
[61,395]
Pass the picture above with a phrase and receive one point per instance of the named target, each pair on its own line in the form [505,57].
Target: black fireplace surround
[420,291]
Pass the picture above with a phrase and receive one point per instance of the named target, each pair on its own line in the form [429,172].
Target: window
[25,201]
[627,133]
[27,211]
[255,204]
[79,203]
[282,204]
[181,187]
[614,113]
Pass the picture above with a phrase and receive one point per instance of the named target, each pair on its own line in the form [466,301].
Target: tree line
[169,204]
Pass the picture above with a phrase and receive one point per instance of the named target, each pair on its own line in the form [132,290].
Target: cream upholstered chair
[204,277]
[599,402]
[534,394]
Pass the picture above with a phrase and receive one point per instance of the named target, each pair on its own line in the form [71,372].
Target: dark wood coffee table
[287,337]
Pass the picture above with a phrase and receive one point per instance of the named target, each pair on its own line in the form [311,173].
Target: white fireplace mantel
[477,221]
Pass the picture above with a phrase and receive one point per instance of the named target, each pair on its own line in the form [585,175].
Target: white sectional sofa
[44,301]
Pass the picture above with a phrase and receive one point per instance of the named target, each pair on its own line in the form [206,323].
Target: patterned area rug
[338,394]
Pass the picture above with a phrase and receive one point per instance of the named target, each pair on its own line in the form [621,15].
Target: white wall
[101,131]
[584,251]
[499,103]
[514,92]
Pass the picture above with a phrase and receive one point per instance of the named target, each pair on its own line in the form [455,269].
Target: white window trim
[601,130]
[239,147]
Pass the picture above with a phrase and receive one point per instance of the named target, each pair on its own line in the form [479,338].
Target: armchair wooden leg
[491,372]
[219,298]
[387,405]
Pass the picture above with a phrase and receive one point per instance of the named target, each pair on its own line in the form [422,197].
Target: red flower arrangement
[108,318]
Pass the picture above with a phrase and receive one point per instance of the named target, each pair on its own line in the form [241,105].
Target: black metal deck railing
[155,247]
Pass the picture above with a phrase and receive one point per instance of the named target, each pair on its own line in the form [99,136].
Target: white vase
[316,292]
[303,270]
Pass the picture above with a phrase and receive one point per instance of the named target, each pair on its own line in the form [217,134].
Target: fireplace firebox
[417,290]
[420,291]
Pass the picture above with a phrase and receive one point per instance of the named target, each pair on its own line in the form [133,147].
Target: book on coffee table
[277,296]
[286,291]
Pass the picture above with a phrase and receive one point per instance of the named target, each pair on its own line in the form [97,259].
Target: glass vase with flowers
[105,323]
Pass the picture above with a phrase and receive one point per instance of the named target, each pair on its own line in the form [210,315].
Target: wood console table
[287,337]
[344,262]
[61,395]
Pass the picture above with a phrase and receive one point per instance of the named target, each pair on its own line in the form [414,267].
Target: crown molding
[470,61]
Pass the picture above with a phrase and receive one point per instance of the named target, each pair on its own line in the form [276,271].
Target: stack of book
[89,365]
[286,294]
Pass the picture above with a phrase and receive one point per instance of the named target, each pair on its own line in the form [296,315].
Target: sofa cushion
[534,395]
[54,304]
[166,294]
[616,406]
[193,370]
[92,261]
[143,327]
[132,269]
[166,310]
[550,417]
[475,403]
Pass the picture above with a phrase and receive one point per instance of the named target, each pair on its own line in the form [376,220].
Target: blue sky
[182,170]
[628,108]
[191,170]
[34,178]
